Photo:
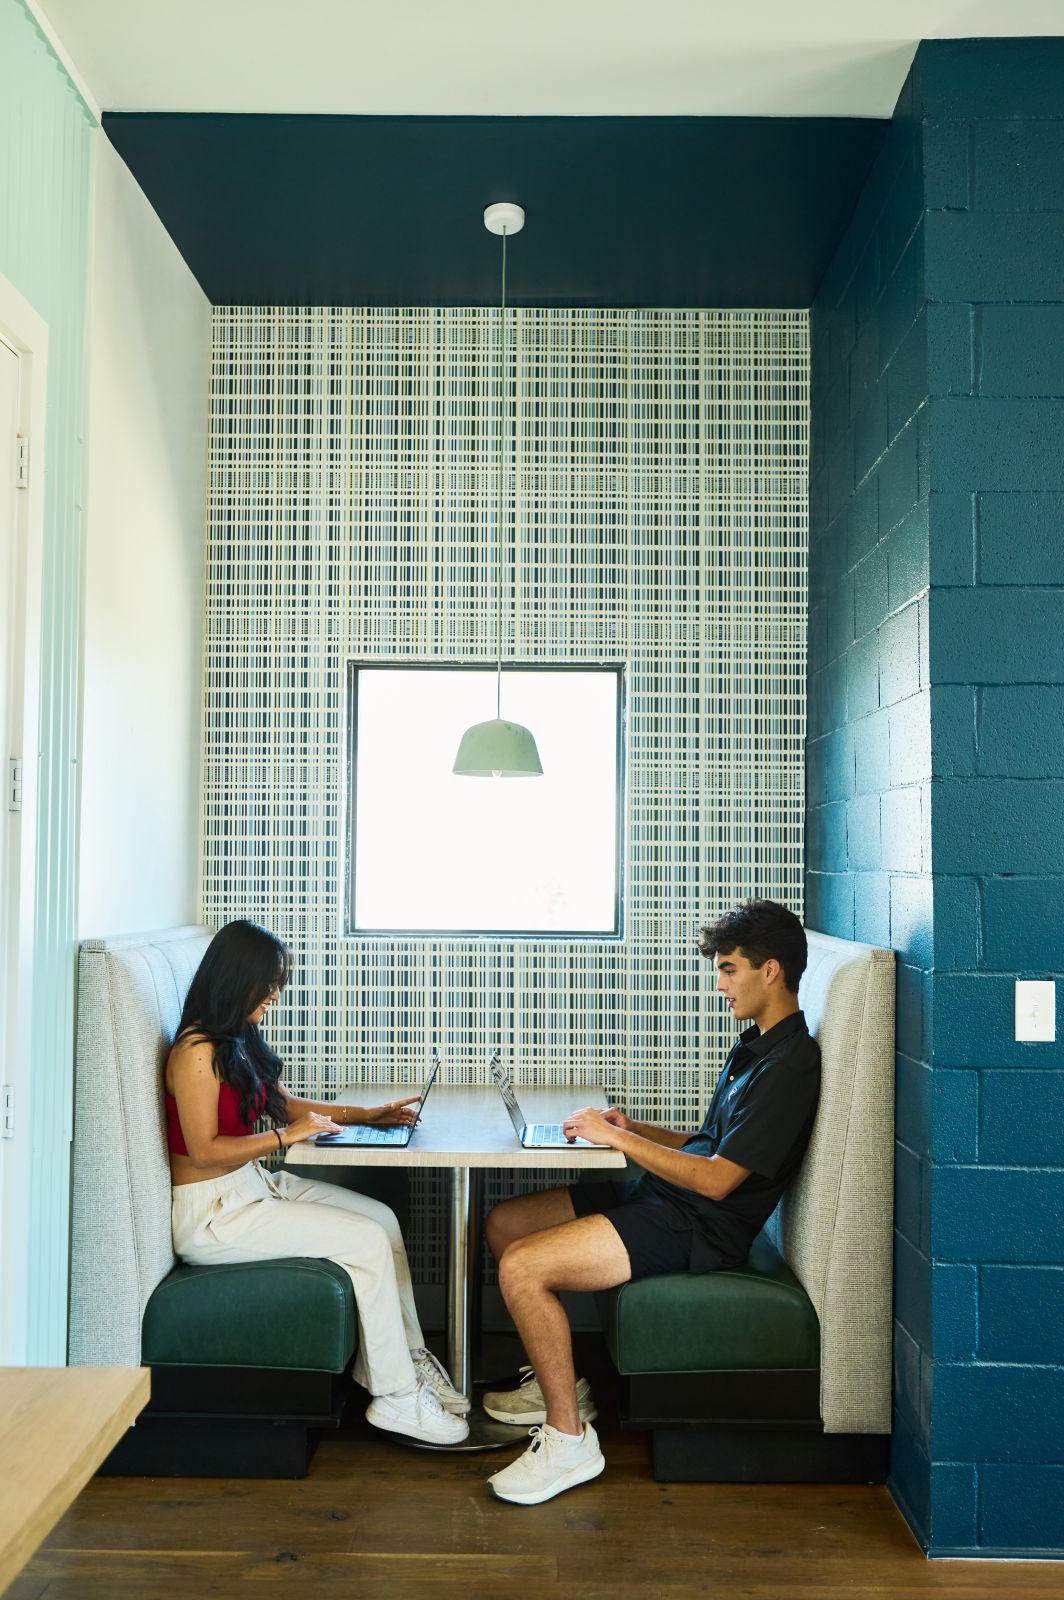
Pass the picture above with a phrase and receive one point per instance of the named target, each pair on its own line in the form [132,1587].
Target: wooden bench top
[56,1425]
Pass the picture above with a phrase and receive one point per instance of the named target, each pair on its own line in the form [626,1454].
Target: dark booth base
[746,1427]
[184,1447]
[218,1423]
[756,1453]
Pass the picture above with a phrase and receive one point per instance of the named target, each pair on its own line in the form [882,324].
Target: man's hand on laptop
[597,1125]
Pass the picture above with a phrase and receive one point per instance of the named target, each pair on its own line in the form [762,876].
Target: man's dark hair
[760,930]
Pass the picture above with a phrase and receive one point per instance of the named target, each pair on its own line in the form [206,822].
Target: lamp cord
[498,512]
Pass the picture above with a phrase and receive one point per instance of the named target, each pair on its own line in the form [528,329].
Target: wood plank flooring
[375,1518]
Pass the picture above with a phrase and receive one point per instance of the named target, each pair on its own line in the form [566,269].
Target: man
[700,1204]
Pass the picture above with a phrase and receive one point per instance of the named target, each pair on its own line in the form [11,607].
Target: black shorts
[647,1225]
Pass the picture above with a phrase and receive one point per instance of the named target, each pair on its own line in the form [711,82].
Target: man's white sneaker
[435,1375]
[418,1415]
[525,1405]
[552,1463]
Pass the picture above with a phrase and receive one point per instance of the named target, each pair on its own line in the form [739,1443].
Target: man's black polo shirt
[761,1117]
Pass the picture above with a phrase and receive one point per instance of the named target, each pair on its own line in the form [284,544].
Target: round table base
[484,1434]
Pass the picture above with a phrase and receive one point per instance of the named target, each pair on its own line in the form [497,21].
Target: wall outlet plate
[1036,1011]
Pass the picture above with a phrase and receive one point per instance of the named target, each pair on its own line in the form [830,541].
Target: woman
[221,1077]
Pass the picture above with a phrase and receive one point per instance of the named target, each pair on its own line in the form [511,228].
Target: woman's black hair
[242,965]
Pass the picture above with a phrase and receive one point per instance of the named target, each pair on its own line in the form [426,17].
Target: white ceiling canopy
[826,58]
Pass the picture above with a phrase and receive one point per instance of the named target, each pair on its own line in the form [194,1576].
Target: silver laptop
[532,1135]
[357,1134]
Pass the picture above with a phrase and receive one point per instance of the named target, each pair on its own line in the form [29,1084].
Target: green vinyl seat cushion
[756,1317]
[296,1313]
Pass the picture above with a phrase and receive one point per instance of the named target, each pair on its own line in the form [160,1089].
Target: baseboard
[912,1522]
[994,1553]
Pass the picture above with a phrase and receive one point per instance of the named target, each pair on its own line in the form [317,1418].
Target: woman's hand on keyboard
[308,1127]
[394,1114]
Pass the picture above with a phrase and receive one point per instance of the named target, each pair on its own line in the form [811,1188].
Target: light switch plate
[1036,1011]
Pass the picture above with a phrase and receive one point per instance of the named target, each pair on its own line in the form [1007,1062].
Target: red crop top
[230,1123]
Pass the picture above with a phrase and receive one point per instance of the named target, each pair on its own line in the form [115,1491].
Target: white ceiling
[538,58]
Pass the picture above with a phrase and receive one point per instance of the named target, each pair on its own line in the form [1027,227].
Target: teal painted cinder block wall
[45,156]
[936,773]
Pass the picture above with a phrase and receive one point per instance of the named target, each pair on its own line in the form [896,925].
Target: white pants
[255,1215]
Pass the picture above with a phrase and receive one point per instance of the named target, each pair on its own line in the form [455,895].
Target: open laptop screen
[504,1084]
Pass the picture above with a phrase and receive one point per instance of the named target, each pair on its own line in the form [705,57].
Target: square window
[433,853]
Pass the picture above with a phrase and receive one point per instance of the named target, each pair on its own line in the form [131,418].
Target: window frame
[349,810]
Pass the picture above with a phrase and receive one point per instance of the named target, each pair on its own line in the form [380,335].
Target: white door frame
[27,332]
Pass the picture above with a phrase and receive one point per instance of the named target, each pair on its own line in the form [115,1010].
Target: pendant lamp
[499,749]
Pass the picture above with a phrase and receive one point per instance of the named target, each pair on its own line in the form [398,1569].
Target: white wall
[142,634]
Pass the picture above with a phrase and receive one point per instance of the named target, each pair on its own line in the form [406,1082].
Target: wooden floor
[375,1518]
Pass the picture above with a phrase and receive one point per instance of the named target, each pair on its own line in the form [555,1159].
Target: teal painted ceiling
[621,211]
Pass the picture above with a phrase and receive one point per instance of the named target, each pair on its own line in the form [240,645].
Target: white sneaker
[552,1463]
[434,1374]
[418,1415]
[525,1405]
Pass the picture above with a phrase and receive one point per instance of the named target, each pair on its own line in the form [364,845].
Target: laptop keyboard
[368,1135]
[547,1133]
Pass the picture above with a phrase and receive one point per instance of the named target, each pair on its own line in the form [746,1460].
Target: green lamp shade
[497,749]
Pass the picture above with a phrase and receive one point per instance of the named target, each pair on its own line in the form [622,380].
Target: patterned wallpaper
[655,513]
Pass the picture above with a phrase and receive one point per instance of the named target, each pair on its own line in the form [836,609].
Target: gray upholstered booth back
[835,1224]
[130,994]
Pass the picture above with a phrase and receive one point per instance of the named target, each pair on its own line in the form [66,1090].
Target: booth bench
[780,1370]
[249,1361]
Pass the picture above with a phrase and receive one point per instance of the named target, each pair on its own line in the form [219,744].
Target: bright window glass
[436,853]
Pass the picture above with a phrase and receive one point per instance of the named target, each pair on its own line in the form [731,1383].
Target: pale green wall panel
[45,153]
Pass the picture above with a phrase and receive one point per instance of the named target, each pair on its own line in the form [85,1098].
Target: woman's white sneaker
[435,1375]
[525,1405]
[417,1415]
[552,1463]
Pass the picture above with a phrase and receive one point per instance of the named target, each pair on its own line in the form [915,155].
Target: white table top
[463,1126]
